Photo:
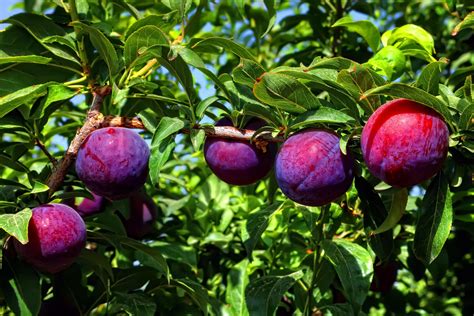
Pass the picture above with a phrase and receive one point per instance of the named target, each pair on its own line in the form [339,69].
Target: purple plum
[91,206]
[113,162]
[238,162]
[56,235]
[311,169]
[404,143]
[142,215]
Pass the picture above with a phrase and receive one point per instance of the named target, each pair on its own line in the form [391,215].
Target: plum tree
[311,169]
[113,162]
[404,143]
[239,162]
[91,206]
[142,215]
[56,235]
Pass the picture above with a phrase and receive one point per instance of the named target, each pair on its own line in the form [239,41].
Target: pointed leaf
[401,90]
[354,266]
[142,39]
[264,294]
[366,29]
[434,221]
[429,77]
[374,214]
[256,224]
[397,209]
[17,224]
[227,44]
[321,115]
[285,92]
[103,45]
[237,281]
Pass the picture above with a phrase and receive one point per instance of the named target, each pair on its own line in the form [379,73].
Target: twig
[93,122]
[96,120]
[43,148]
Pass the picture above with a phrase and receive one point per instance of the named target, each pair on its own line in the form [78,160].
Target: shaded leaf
[264,294]
[374,214]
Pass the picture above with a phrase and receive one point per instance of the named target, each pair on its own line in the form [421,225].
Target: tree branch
[93,122]
[46,152]
[96,120]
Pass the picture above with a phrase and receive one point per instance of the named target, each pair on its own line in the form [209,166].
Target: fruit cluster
[403,144]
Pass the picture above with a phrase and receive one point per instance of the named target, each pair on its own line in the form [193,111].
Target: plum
[404,143]
[91,206]
[310,168]
[238,162]
[113,162]
[142,215]
[56,234]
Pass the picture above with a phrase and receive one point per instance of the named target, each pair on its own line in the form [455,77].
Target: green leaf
[134,304]
[256,224]
[29,59]
[196,291]
[21,286]
[39,187]
[467,22]
[409,34]
[434,221]
[228,44]
[181,6]
[162,144]
[193,59]
[104,47]
[374,214]
[366,29]
[237,281]
[17,224]
[338,94]
[357,81]
[429,77]
[401,90]
[203,105]
[152,256]
[141,40]
[397,209]
[321,115]
[270,5]
[354,266]
[23,96]
[264,294]
[163,22]
[42,28]
[247,72]
[286,93]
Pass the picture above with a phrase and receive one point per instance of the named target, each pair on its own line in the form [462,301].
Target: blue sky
[4,10]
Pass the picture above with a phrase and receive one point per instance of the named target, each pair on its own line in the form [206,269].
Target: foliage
[226,250]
